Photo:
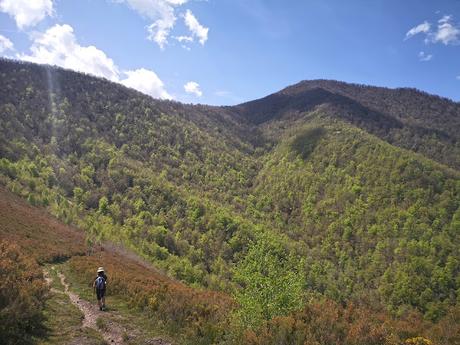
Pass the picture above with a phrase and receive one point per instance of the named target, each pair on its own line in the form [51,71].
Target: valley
[325,208]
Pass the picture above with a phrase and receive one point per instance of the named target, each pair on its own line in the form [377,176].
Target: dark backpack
[100,283]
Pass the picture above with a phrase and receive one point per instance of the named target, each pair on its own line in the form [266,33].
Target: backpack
[100,283]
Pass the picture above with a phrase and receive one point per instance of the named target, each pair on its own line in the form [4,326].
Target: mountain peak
[391,114]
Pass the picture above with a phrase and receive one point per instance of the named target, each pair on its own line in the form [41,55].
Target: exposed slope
[407,118]
[112,333]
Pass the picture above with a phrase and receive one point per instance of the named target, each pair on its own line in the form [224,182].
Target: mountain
[324,192]
[404,117]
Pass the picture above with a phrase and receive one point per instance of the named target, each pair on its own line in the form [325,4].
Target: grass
[139,327]
[63,321]
[56,282]
[101,323]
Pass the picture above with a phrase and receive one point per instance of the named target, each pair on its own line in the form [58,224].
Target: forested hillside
[403,117]
[30,236]
[325,195]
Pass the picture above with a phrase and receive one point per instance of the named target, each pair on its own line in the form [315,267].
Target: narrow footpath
[111,332]
[101,321]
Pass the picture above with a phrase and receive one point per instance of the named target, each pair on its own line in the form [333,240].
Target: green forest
[323,198]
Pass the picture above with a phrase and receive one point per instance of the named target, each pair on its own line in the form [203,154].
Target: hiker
[99,285]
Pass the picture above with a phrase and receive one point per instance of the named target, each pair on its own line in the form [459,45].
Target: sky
[225,52]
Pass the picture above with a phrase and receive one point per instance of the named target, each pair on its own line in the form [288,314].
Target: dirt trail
[49,281]
[111,331]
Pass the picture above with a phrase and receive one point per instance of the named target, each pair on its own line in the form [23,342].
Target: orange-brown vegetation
[199,316]
[36,232]
[327,322]
[196,314]
[318,164]
[192,312]
[23,294]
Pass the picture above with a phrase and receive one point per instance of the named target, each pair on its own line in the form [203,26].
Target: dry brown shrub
[23,293]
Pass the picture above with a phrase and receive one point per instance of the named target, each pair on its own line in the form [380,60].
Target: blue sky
[230,51]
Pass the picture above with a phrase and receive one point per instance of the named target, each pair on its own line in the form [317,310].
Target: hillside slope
[366,214]
[147,304]
[141,287]
[407,118]
[319,180]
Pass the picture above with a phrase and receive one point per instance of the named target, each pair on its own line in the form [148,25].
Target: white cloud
[424,56]
[458,77]
[146,81]
[177,2]
[421,28]
[5,44]
[162,14]
[445,32]
[195,27]
[27,12]
[193,87]
[160,29]
[445,19]
[58,46]
[184,38]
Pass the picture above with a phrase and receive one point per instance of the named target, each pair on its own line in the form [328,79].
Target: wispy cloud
[183,38]
[421,28]
[424,56]
[197,30]
[163,16]
[161,12]
[446,31]
[5,44]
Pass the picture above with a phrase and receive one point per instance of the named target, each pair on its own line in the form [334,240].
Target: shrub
[271,282]
[327,322]
[198,316]
[23,293]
